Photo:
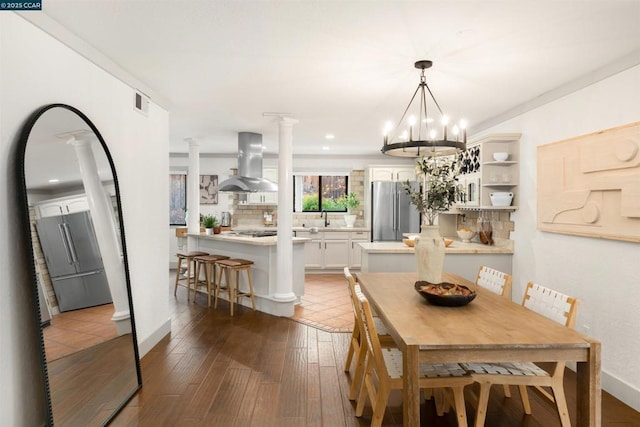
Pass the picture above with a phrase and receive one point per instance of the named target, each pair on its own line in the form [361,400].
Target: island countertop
[248,240]
[457,247]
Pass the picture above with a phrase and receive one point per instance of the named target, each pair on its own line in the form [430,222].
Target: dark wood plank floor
[258,370]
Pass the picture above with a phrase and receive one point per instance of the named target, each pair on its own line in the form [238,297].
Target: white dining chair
[556,306]
[383,373]
[356,351]
[494,280]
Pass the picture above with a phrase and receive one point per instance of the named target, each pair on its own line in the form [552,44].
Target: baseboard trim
[148,343]
[620,389]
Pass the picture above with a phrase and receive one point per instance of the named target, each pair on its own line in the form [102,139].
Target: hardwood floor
[259,370]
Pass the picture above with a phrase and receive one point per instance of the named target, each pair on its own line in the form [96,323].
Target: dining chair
[553,305]
[383,373]
[355,351]
[495,281]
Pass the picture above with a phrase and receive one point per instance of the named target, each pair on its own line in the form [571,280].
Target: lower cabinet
[336,253]
[333,250]
[313,253]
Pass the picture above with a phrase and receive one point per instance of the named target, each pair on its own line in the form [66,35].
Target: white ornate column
[284,287]
[193,192]
[104,225]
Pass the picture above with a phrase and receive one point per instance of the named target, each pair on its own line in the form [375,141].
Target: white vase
[350,220]
[208,231]
[429,250]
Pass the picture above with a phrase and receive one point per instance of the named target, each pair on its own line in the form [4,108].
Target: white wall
[36,70]
[603,274]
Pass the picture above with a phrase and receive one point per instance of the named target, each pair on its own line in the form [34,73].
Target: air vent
[141,103]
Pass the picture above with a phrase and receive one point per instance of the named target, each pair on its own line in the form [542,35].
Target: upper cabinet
[395,173]
[490,169]
[267,198]
[61,206]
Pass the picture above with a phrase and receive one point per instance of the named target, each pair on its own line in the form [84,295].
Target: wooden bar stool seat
[232,281]
[209,264]
[186,281]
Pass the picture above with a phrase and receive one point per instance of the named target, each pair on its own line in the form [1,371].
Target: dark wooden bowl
[445,300]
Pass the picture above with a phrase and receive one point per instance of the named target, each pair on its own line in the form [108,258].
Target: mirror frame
[26,230]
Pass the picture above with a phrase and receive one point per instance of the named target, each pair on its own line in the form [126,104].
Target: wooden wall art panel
[590,185]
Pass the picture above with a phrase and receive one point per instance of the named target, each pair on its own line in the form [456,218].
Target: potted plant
[349,202]
[209,222]
[438,192]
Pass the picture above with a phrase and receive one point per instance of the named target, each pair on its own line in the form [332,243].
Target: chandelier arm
[395,131]
[434,98]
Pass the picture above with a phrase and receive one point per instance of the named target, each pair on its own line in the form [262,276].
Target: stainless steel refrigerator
[392,213]
[73,260]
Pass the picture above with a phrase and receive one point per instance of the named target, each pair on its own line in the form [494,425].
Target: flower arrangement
[439,189]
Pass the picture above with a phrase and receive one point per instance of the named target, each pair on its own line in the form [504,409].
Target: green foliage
[209,221]
[332,205]
[439,189]
[310,203]
[349,201]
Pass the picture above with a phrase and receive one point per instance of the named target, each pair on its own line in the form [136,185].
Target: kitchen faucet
[326,217]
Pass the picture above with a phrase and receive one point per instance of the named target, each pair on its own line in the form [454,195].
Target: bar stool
[186,282]
[232,288]
[209,264]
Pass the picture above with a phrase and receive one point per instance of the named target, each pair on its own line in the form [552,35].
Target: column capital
[193,142]
[284,120]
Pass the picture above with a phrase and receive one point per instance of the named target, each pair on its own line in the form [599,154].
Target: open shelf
[503,163]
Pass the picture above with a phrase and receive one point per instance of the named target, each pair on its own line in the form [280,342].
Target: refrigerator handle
[394,209]
[72,249]
[397,224]
[65,243]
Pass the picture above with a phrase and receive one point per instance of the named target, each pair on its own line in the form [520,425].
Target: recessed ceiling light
[53,181]
[330,136]
[326,147]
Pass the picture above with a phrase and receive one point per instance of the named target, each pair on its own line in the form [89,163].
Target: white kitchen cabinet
[336,253]
[268,198]
[355,251]
[398,174]
[61,206]
[313,252]
[333,250]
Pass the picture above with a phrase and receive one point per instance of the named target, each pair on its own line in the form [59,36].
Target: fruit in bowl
[465,234]
[409,242]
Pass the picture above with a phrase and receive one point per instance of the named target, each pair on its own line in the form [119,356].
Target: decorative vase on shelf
[208,231]
[429,250]
[350,220]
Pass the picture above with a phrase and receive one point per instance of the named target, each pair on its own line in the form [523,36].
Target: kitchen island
[263,252]
[464,259]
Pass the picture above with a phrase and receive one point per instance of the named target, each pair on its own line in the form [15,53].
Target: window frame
[319,175]
[171,190]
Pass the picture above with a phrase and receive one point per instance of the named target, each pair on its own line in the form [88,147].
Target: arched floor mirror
[80,270]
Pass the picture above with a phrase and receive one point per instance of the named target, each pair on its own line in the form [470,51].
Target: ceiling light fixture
[421,137]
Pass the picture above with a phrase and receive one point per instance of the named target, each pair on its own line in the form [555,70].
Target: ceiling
[346,67]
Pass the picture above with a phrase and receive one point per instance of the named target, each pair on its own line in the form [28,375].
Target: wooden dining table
[489,329]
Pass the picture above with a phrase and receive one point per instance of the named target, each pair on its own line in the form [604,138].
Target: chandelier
[421,135]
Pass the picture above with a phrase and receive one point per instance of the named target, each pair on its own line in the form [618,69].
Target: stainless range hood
[249,178]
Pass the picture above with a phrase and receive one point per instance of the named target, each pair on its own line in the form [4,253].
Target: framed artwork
[208,189]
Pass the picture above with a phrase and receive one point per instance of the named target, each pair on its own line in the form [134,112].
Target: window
[315,193]
[177,199]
